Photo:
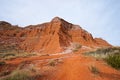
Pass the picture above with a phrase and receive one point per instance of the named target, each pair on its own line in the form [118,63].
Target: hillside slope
[51,37]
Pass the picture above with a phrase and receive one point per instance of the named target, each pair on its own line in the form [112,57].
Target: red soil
[54,37]
[73,67]
[77,67]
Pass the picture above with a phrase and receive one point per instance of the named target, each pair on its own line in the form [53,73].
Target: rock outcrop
[51,37]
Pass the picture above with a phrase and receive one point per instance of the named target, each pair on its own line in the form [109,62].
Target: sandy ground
[71,67]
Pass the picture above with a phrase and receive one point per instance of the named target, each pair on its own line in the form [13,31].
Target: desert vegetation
[21,75]
[54,62]
[113,60]
[9,56]
[94,69]
[8,52]
[110,55]
[75,46]
[29,72]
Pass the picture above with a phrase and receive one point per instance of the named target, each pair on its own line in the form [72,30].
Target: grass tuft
[23,74]
[94,70]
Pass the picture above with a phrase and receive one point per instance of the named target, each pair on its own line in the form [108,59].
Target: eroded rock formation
[50,37]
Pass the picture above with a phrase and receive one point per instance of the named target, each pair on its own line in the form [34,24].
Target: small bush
[113,60]
[94,70]
[76,46]
[2,63]
[53,62]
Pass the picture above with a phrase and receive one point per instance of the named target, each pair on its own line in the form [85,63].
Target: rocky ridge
[51,37]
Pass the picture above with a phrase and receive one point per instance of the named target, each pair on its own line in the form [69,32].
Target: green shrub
[104,52]
[113,60]
[111,55]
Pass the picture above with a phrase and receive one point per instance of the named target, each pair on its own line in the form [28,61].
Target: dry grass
[54,62]
[104,52]
[109,55]
[28,73]
[9,56]
[75,46]
[19,75]
[11,51]
[94,70]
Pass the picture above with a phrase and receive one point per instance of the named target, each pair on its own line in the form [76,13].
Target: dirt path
[77,67]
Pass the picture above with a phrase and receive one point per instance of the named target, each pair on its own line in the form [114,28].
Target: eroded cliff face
[51,37]
[48,37]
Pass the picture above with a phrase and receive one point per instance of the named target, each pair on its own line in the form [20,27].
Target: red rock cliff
[53,36]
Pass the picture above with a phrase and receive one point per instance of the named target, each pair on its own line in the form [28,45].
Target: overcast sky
[99,17]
